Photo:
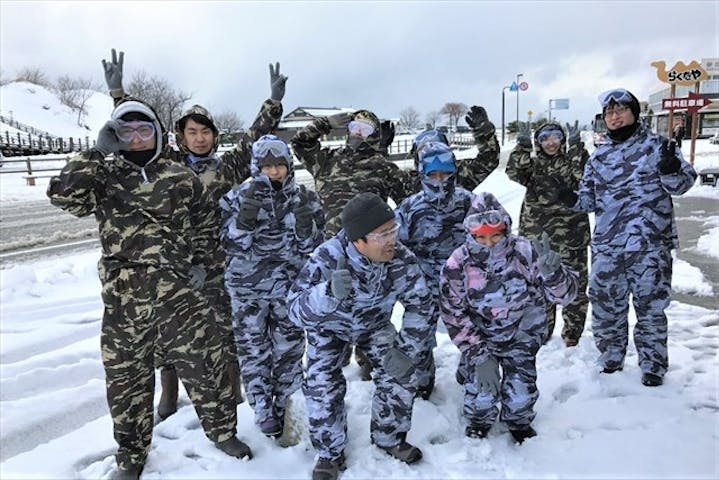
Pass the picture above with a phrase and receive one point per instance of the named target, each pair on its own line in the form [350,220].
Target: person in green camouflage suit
[552,168]
[155,242]
[197,139]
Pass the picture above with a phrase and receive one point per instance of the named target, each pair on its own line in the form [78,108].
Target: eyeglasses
[617,95]
[616,109]
[360,128]
[386,236]
[261,148]
[490,221]
[550,134]
[126,131]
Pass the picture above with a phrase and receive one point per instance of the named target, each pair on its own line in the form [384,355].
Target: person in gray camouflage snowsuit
[197,139]
[154,240]
[494,290]
[270,225]
[430,225]
[341,173]
[552,168]
[629,184]
[344,294]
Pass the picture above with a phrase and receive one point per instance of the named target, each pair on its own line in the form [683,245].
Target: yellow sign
[680,73]
[529,112]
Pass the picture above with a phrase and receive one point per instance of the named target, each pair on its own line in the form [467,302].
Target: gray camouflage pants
[647,276]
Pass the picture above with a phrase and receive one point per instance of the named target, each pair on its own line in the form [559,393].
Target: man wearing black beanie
[344,294]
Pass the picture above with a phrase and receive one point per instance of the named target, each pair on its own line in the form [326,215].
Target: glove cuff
[116,93]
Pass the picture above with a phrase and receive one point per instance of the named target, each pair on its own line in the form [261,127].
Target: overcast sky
[384,56]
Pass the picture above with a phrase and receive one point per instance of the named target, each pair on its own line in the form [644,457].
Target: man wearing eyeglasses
[557,162]
[629,184]
[152,233]
[344,294]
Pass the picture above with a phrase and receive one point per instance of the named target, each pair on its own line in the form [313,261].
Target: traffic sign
[513,87]
[692,103]
[523,86]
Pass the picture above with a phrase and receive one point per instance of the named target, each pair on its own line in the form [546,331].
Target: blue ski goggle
[428,136]
[550,134]
[360,129]
[617,95]
[433,160]
[278,148]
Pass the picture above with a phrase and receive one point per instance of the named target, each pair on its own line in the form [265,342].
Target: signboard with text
[691,103]
[681,73]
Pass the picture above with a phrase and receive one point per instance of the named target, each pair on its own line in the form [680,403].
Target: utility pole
[503,89]
[518,75]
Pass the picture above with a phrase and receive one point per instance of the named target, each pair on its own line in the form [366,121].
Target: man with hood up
[360,166]
[493,295]
[270,226]
[555,166]
[197,139]
[154,237]
[629,184]
[430,225]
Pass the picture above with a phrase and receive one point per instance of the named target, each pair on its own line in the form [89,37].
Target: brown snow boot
[168,399]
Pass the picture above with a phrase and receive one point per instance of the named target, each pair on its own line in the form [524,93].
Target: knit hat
[630,101]
[364,213]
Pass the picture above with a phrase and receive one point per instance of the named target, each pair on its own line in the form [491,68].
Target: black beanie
[364,213]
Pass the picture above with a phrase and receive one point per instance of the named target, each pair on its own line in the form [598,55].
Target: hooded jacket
[495,297]
[266,260]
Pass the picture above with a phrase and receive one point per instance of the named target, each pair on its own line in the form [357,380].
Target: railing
[15,144]
[24,127]
[32,172]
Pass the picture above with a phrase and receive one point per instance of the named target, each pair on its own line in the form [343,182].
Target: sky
[54,421]
[384,56]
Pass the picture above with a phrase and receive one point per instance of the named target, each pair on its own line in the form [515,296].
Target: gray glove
[247,219]
[340,120]
[398,365]
[197,275]
[341,280]
[478,120]
[573,135]
[277,83]
[107,141]
[487,375]
[524,135]
[113,71]
[548,260]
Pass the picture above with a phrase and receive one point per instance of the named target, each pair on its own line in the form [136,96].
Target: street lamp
[503,89]
[518,75]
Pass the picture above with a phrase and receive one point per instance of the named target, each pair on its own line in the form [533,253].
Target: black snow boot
[611,367]
[130,472]
[328,468]
[425,391]
[651,380]
[235,447]
[404,452]
[168,398]
[520,434]
[474,430]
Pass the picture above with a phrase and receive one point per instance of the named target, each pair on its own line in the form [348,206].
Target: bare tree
[409,118]
[432,118]
[32,75]
[3,79]
[75,92]
[228,122]
[160,95]
[453,110]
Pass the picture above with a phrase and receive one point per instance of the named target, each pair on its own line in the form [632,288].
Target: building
[707,117]
[300,117]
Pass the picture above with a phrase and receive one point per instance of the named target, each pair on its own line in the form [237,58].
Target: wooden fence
[14,144]
[29,166]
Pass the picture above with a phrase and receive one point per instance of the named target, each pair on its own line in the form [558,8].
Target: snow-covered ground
[54,421]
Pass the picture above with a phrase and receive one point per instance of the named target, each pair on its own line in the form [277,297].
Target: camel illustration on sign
[681,73]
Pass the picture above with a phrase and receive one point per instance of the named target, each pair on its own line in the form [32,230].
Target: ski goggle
[277,148]
[386,236]
[433,160]
[483,223]
[618,95]
[126,131]
[360,128]
[428,136]
[550,134]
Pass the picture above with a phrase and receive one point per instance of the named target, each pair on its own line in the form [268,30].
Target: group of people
[222,270]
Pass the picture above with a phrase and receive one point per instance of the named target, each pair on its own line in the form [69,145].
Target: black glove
[478,121]
[113,72]
[303,219]
[277,83]
[487,375]
[547,259]
[250,207]
[107,141]
[341,280]
[386,134]
[340,120]
[567,197]
[197,276]
[669,163]
[574,136]
[398,365]
[524,135]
